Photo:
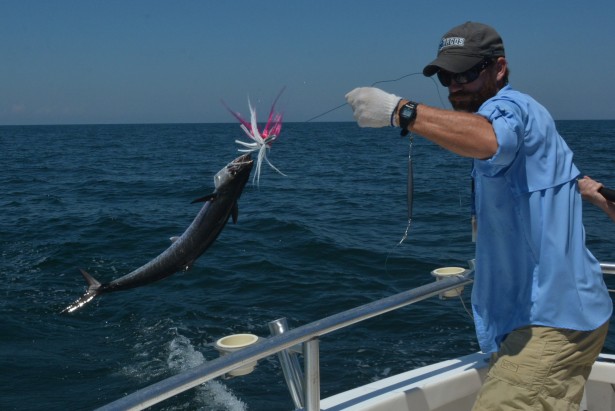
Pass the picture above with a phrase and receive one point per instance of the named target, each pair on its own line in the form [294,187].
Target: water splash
[213,394]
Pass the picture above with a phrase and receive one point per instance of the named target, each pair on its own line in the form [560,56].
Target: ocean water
[321,239]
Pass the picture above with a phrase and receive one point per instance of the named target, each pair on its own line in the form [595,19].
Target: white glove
[373,107]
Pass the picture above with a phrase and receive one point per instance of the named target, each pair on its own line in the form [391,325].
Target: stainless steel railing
[306,393]
[608,268]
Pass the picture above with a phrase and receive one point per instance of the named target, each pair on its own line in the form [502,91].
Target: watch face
[406,112]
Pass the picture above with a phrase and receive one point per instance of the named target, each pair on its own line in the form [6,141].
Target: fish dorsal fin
[208,197]
[174,238]
[235,212]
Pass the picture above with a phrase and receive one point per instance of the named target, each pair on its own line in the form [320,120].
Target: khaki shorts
[540,368]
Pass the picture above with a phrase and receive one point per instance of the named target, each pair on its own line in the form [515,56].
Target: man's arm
[469,135]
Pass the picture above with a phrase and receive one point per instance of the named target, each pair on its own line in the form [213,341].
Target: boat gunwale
[174,385]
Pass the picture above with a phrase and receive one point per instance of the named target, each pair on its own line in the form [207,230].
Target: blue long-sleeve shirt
[532,266]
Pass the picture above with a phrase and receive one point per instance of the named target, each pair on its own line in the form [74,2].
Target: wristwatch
[407,114]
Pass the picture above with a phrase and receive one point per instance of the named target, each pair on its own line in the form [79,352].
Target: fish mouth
[241,166]
[240,163]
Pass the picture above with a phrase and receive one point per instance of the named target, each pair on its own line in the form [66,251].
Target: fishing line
[466,308]
[410,165]
[380,82]
[410,181]
[410,184]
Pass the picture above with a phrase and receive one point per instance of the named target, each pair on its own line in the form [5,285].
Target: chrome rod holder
[293,375]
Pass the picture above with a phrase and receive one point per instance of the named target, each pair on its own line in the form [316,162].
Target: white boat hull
[452,385]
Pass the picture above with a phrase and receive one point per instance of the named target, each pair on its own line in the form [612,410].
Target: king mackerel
[202,232]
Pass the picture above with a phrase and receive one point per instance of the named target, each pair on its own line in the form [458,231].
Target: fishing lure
[261,139]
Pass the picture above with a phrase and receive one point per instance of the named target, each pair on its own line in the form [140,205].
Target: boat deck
[452,385]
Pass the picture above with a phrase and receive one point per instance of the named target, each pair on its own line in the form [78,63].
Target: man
[590,191]
[539,300]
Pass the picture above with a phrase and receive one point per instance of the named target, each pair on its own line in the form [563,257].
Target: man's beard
[471,102]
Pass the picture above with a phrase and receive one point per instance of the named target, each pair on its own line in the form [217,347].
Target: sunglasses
[467,76]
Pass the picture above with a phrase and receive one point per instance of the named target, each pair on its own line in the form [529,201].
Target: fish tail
[92,291]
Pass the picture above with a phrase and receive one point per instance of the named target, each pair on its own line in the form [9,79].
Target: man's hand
[590,191]
[373,107]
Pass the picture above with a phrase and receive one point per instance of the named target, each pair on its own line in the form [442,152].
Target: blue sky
[84,62]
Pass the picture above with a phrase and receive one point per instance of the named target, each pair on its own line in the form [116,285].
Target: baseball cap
[465,46]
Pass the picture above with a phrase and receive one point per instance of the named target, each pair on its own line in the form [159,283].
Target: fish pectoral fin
[208,197]
[235,212]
